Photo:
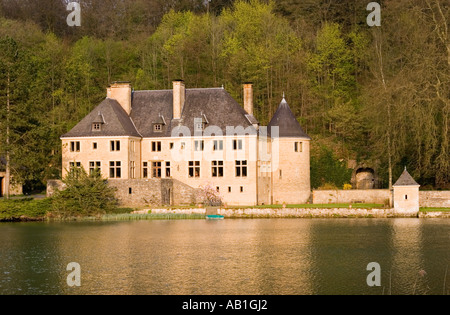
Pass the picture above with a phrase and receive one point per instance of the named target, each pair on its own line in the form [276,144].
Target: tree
[84,195]
[8,54]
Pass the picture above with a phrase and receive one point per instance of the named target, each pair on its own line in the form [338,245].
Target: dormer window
[96,126]
[159,124]
[200,126]
[200,123]
[98,122]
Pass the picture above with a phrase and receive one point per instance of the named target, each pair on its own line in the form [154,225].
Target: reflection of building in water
[407,261]
[280,266]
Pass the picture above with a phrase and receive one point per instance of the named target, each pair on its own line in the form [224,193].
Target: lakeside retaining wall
[378,196]
[435,198]
[427,199]
[293,213]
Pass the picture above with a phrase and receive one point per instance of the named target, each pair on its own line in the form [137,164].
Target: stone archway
[365,178]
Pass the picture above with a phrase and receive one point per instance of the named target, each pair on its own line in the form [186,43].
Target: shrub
[347,187]
[327,169]
[85,195]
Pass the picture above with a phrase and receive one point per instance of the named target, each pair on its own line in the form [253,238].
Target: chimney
[121,92]
[248,98]
[179,95]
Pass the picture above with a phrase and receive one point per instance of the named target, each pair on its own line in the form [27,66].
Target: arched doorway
[365,178]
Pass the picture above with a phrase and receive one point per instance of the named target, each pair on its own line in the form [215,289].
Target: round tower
[290,158]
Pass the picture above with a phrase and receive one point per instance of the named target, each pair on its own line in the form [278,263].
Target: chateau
[164,145]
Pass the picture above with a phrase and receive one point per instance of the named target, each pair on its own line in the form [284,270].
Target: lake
[228,257]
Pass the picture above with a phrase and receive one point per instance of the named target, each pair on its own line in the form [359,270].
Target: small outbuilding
[406,193]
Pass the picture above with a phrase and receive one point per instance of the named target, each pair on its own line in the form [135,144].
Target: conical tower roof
[406,180]
[288,125]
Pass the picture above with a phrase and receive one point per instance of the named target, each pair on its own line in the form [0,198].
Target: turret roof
[288,125]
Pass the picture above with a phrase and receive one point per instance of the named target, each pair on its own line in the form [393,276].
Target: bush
[327,169]
[28,208]
[85,195]
[328,186]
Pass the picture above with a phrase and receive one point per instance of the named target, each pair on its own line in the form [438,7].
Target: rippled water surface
[276,256]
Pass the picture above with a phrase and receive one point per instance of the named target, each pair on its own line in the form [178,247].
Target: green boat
[215,217]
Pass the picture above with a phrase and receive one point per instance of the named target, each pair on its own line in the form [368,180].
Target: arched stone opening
[365,178]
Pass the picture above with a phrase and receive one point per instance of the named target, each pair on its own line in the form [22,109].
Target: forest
[377,95]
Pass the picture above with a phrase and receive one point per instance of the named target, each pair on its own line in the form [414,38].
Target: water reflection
[326,256]
[407,274]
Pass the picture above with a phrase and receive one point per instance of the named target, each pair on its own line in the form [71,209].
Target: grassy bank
[26,209]
[29,209]
[434,209]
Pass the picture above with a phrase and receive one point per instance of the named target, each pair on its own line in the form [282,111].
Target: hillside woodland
[376,95]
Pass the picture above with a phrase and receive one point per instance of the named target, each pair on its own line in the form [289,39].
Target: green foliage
[327,171]
[341,78]
[24,209]
[85,195]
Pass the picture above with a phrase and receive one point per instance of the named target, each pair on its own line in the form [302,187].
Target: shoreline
[248,213]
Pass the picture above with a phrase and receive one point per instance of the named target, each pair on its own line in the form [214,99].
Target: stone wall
[315,213]
[53,185]
[183,194]
[138,192]
[15,189]
[378,196]
[294,213]
[437,199]
[143,192]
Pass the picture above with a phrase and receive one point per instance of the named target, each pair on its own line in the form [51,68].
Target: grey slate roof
[116,122]
[406,180]
[288,125]
[215,104]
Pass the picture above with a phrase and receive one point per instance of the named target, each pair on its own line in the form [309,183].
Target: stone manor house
[162,147]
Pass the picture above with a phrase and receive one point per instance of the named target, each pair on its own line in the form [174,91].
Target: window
[73,165]
[171,145]
[406,197]
[167,169]
[237,145]
[183,145]
[281,174]
[194,169]
[145,169]
[199,126]
[156,169]
[115,170]
[94,166]
[157,128]
[94,146]
[218,189]
[217,168]
[115,145]
[130,190]
[241,168]
[199,145]
[96,126]
[218,145]
[132,169]
[229,189]
[75,146]
[242,189]
[298,146]
[156,146]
